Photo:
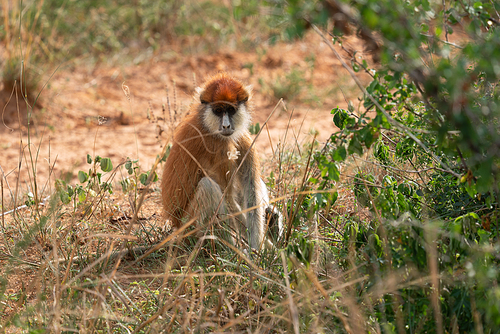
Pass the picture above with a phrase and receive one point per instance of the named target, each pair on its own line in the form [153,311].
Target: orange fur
[221,87]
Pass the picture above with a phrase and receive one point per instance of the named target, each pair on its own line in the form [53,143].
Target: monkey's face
[225,113]
[227,119]
[224,105]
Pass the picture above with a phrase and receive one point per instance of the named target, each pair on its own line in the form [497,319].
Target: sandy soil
[84,109]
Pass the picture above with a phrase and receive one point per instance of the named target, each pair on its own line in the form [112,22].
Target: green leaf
[106,165]
[368,136]
[144,177]
[155,177]
[65,198]
[81,196]
[128,167]
[370,17]
[332,197]
[82,176]
[255,128]
[381,152]
[70,191]
[410,118]
[333,172]
[340,117]
[125,183]
[425,5]
[388,181]
[355,146]
[340,153]
[89,159]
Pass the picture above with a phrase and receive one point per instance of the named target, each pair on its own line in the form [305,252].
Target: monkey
[212,157]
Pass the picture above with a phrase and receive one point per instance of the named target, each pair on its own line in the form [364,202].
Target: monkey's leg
[253,197]
[204,205]
[263,218]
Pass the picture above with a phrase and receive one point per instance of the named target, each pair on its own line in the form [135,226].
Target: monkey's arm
[254,194]
[180,177]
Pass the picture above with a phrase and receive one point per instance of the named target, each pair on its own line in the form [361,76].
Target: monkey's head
[225,106]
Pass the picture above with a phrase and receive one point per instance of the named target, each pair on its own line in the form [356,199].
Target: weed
[288,87]
[25,80]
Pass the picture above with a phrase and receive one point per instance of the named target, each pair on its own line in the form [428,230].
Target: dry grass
[108,263]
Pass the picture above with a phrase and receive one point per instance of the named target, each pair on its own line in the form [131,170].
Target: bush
[434,139]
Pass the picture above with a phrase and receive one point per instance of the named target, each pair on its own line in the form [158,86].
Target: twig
[294,314]
[3,214]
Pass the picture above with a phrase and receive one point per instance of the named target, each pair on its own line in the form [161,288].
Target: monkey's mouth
[226,132]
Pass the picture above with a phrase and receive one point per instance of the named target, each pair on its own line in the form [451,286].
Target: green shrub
[429,125]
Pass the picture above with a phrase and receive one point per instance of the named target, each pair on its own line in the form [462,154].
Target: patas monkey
[208,146]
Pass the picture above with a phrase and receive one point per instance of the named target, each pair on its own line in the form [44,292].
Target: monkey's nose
[225,126]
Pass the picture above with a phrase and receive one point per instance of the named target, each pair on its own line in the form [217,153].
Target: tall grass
[83,261]
[79,263]
[57,30]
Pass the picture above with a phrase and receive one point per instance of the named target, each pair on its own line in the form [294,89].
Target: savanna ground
[391,223]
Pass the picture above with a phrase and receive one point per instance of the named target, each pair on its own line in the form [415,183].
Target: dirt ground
[84,108]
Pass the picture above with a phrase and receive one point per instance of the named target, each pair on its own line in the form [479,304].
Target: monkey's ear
[198,91]
[248,89]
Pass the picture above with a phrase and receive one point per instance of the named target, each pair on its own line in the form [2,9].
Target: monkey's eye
[203,101]
[218,111]
[231,110]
